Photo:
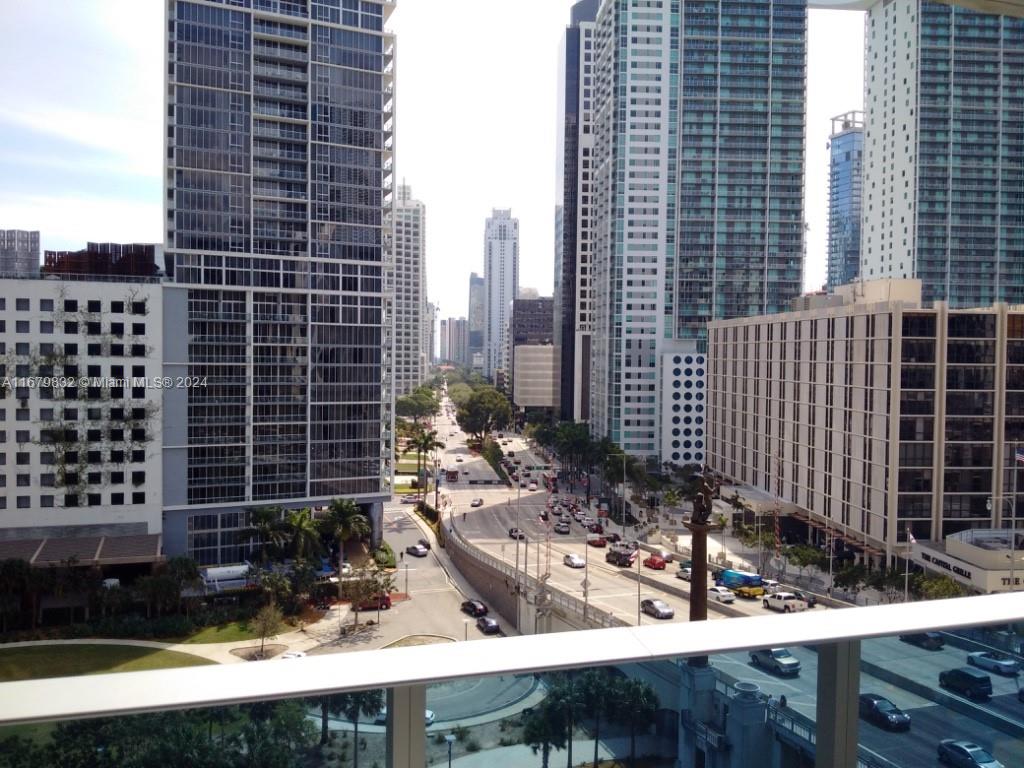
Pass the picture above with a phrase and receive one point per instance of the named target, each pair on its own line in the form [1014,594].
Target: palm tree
[597,695]
[365,703]
[424,442]
[636,703]
[15,575]
[345,521]
[303,534]
[545,726]
[330,704]
[266,530]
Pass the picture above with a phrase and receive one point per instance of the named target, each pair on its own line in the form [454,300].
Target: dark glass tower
[846,150]
[278,175]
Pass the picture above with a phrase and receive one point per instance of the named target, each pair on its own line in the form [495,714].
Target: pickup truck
[786,602]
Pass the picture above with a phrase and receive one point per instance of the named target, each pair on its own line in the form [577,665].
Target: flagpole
[1013,525]
[906,571]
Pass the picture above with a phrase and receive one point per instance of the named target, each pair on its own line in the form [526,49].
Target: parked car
[687,573]
[807,597]
[721,595]
[476,503]
[474,608]
[423,543]
[965,754]
[512,455]
[345,569]
[613,538]
[596,540]
[487,625]
[573,560]
[967,681]
[659,609]
[416,550]
[785,602]
[931,641]
[994,661]
[882,712]
[778,660]
[516,533]
[562,528]
[382,716]
[655,562]
[770,586]
[376,603]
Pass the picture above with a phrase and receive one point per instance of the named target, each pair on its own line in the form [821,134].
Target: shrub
[473,745]
[384,556]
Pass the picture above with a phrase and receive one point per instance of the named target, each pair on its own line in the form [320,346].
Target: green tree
[888,581]
[267,623]
[544,726]
[266,530]
[360,703]
[15,576]
[935,587]
[805,556]
[303,534]
[850,578]
[636,703]
[418,405]
[275,585]
[460,394]
[345,521]
[485,411]
[183,572]
[275,735]
[597,688]
[424,443]
[158,591]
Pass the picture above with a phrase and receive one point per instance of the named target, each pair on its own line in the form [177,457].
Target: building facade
[943,154]
[874,416]
[19,253]
[574,236]
[501,286]
[431,331]
[477,316]
[697,211]
[846,149]
[411,356]
[532,323]
[535,377]
[279,170]
[458,340]
[81,412]
[445,354]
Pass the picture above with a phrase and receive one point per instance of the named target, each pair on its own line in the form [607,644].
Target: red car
[656,562]
[379,602]
[597,528]
[596,541]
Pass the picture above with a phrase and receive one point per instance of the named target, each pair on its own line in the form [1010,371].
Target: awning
[87,550]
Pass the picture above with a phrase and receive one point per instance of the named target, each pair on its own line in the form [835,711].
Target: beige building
[872,414]
[536,376]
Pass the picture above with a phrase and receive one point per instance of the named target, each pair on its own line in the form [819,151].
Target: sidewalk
[521,755]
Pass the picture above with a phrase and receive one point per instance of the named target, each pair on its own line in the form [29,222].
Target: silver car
[994,661]
[659,609]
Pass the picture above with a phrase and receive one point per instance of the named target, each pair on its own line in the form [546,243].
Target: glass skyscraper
[698,161]
[944,151]
[846,150]
[278,176]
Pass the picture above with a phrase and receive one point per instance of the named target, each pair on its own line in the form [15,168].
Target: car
[382,717]
[501,435]
[994,661]
[968,682]
[512,455]
[882,712]
[514,476]
[687,573]
[586,520]
[345,569]
[721,595]
[416,550]
[573,560]
[544,515]
[785,602]
[517,462]
[522,483]
[458,459]
[476,503]
[807,597]
[613,538]
[378,602]
[965,754]
[292,655]
[655,562]
[562,528]
[516,533]
[778,660]
[532,487]
[423,543]
[410,498]
[597,540]
[526,473]
[770,586]
[487,625]
[597,528]
[931,641]
[659,609]
[474,608]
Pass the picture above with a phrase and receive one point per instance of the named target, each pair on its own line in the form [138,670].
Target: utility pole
[699,527]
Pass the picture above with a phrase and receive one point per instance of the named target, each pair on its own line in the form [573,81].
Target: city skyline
[84,110]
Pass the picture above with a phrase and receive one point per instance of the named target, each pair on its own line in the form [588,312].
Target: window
[71,500]
[22,436]
[117,306]
[22,326]
[138,307]
[138,329]
[24,502]
[24,481]
[48,480]
[46,305]
[46,501]
[70,349]
[117,499]
[21,348]
[70,327]
[22,305]
[117,329]
[46,326]
[94,499]
[138,497]
[94,305]
[70,305]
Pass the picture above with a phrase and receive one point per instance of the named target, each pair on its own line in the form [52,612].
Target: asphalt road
[930,723]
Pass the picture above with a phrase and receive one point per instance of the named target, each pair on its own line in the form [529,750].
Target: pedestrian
[782,701]
[401,556]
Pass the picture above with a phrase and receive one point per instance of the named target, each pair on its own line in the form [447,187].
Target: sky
[476,125]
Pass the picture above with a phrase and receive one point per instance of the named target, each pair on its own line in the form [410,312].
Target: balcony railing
[698,707]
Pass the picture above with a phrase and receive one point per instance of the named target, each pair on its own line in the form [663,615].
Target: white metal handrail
[136,692]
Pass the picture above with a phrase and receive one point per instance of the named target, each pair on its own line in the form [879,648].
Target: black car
[967,681]
[474,608]
[930,641]
[488,625]
[882,712]
[807,597]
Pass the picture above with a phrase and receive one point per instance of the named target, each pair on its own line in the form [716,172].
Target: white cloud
[71,221]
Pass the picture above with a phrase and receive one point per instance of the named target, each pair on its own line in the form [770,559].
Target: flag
[1020,455]
[910,537]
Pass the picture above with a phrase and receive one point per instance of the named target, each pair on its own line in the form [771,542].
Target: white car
[382,716]
[721,594]
[532,487]
[410,498]
[786,602]
[771,586]
[687,573]
[573,560]
[476,503]
[292,655]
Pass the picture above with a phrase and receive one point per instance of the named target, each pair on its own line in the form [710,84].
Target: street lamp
[623,510]
[465,624]
[450,738]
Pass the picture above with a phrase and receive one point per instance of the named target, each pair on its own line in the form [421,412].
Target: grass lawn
[32,662]
[231,632]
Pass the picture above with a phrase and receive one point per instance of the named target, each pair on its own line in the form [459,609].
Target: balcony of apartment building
[881,687]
